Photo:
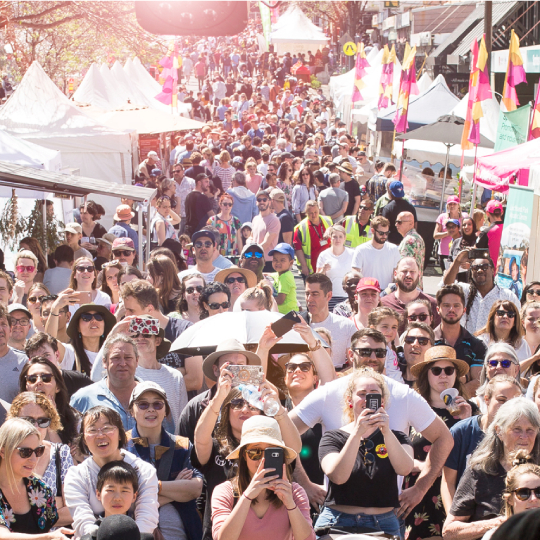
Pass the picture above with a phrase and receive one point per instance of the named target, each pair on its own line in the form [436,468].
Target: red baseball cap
[494,205]
[368,283]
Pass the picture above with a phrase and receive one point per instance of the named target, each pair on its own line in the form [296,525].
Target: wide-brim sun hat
[262,429]
[438,353]
[108,317]
[228,346]
[250,276]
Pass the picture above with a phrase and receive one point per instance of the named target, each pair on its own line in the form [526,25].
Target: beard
[451,321]
[407,288]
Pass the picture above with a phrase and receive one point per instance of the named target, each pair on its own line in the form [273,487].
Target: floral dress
[42,506]
[227,245]
[427,519]
[287,189]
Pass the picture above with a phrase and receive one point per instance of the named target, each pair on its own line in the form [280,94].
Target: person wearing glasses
[416,340]
[265,228]
[26,265]
[21,326]
[161,227]
[36,293]
[27,505]
[56,460]
[228,227]
[238,280]
[481,292]
[362,460]
[104,438]
[123,250]
[191,287]
[179,482]
[418,311]
[204,246]
[439,371]
[215,298]
[531,292]
[451,306]
[476,505]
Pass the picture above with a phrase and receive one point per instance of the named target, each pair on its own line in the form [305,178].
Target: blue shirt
[255,133]
[122,230]
[99,394]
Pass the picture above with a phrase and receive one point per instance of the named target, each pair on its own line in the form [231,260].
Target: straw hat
[262,429]
[227,347]
[250,276]
[441,352]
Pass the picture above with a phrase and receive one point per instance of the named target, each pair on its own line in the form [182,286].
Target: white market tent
[96,90]
[25,153]
[295,33]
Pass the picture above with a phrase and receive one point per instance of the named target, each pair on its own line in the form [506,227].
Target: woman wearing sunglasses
[476,505]
[180,484]
[191,287]
[215,298]
[418,311]
[27,506]
[103,437]
[26,265]
[53,465]
[33,302]
[213,447]
[88,329]
[504,325]
[531,292]
[238,280]
[228,227]
[363,459]
[439,371]
[109,283]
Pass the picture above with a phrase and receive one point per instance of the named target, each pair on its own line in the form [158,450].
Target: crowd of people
[397,411]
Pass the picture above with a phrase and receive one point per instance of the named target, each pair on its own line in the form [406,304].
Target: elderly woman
[477,501]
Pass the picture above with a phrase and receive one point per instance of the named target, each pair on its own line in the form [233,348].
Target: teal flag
[516,235]
[513,128]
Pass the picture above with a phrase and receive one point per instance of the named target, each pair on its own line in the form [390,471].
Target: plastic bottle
[251,394]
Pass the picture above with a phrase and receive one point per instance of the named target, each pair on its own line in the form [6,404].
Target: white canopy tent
[25,153]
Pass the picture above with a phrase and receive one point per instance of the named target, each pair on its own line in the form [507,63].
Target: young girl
[386,321]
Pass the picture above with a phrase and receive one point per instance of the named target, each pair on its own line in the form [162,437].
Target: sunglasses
[367,352]
[476,267]
[217,305]
[251,254]
[82,269]
[206,244]
[124,252]
[422,317]
[226,204]
[237,404]
[381,233]
[367,456]
[25,452]
[263,200]
[534,292]
[35,299]
[366,208]
[191,290]
[87,317]
[423,341]
[503,313]
[45,377]
[505,364]
[231,280]
[156,405]
[177,172]
[42,422]
[111,263]
[255,454]
[448,370]
[22,268]
[304,366]
[524,494]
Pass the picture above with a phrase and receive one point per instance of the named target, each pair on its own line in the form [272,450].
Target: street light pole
[488,30]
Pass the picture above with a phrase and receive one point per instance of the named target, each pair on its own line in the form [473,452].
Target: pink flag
[481,92]
[407,87]
[515,74]
[169,76]
[359,74]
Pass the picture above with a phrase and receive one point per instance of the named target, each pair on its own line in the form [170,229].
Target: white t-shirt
[208,278]
[341,330]
[377,263]
[325,405]
[523,351]
[339,266]
[102,299]
[69,357]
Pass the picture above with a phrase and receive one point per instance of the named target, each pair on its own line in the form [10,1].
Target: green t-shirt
[284,283]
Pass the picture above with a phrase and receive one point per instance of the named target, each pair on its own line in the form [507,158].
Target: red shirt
[316,234]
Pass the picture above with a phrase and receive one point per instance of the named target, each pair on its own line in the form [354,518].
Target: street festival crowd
[410,414]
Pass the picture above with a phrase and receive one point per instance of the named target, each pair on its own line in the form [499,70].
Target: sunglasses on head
[367,352]
[42,422]
[206,244]
[217,305]
[120,252]
[503,313]
[156,405]
[111,263]
[505,364]
[34,299]
[231,280]
[87,317]
[21,268]
[45,377]
[304,366]
[421,317]
[237,404]
[448,370]
[251,254]
[524,494]
[423,341]
[26,453]
[191,290]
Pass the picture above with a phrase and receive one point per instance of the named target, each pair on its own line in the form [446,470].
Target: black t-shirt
[192,412]
[197,207]
[287,224]
[251,152]
[297,153]
[391,212]
[353,189]
[468,348]
[174,328]
[75,380]
[376,487]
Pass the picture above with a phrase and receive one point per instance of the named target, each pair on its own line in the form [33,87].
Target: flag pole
[473,198]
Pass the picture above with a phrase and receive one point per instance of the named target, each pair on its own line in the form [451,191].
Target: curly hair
[42,401]
[209,290]
[363,373]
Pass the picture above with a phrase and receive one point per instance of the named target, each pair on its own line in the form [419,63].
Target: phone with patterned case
[144,326]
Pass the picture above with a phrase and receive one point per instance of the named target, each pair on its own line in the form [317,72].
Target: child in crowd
[282,261]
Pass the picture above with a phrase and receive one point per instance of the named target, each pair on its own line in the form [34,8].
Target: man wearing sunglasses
[204,246]
[123,250]
[407,408]
[252,258]
[266,228]
[26,267]
[198,206]
[21,326]
[481,293]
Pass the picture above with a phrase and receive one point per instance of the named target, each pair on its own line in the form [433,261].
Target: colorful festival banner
[359,73]
[513,128]
[387,77]
[515,74]
[407,86]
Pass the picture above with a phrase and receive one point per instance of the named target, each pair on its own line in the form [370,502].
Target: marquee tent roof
[294,26]
[21,152]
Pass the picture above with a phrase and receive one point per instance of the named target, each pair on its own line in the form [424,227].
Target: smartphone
[84,297]
[246,375]
[274,459]
[285,324]
[85,240]
[477,253]
[373,401]
[144,326]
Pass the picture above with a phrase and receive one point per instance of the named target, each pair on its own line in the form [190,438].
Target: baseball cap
[146,386]
[452,199]
[20,307]
[454,221]
[493,206]
[124,242]
[368,283]
[396,189]
[277,194]
[199,234]
[284,248]
[74,228]
[252,246]
[287,155]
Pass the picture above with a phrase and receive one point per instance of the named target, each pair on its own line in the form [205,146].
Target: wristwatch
[317,346]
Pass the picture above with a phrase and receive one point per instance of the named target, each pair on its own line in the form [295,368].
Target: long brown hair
[182,306]
[35,248]
[421,385]
[516,333]
[161,265]
[73,281]
[522,464]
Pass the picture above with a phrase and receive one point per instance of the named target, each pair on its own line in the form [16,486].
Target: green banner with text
[513,128]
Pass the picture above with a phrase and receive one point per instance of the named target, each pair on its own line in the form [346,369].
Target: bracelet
[159,486]
[247,497]
[55,314]
[291,509]
[317,346]
[280,415]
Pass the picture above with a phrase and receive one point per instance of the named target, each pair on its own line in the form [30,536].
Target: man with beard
[204,244]
[450,306]
[417,339]
[253,259]
[266,227]
[407,408]
[407,277]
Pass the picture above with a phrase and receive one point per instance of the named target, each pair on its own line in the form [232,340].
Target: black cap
[119,527]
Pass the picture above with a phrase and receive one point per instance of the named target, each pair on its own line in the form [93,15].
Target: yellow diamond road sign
[349,48]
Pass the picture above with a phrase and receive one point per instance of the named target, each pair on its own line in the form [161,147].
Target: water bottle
[251,394]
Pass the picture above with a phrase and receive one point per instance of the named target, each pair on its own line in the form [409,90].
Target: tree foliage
[66,37]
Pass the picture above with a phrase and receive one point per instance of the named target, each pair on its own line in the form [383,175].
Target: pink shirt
[253,182]
[444,243]
[273,525]
[261,226]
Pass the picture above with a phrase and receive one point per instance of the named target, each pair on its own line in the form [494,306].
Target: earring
[350,405]
[80,335]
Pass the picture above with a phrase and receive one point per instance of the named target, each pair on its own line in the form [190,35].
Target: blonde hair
[262,293]
[42,401]
[521,466]
[334,228]
[26,254]
[224,156]
[12,434]
[363,373]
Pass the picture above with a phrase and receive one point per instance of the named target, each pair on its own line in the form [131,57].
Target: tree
[66,37]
